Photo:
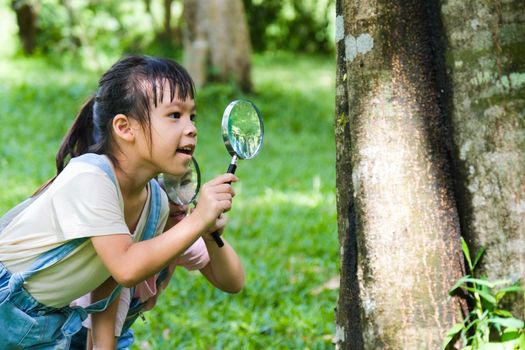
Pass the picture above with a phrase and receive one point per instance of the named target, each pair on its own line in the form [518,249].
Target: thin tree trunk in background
[229,42]
[195,41]
[216,34]
[26,18]
[397,215]
[167,18]
[486,62]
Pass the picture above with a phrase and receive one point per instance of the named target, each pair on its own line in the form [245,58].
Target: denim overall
[126,338]
[26,323]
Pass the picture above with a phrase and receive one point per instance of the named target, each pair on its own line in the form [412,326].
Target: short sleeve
[88,205]
[195,257]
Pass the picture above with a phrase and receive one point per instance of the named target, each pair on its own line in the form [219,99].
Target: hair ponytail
[128,87]
[79,138]
[77,141]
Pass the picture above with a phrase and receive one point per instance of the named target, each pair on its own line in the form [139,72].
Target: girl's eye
[175,115]
[193,117]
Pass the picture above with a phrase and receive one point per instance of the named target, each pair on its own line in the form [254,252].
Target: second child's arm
[102,334]
[130,263]
[224,270]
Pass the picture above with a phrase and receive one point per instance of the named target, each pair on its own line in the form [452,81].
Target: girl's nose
[190,130]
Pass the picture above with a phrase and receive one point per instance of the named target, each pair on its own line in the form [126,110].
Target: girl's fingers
[223,179]
[223,197]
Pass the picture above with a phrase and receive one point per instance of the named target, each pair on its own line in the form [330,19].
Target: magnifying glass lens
[242,129]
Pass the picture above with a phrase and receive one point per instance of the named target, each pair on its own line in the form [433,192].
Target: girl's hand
[218,225]
[215,198]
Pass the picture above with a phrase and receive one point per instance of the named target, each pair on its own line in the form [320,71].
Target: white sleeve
[88,205]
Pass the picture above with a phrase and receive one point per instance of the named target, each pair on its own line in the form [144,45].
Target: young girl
[86,225]
[143,297]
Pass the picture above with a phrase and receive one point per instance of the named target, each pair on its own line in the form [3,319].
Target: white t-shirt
[82,202]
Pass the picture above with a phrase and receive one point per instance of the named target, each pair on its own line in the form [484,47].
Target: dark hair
[126,88]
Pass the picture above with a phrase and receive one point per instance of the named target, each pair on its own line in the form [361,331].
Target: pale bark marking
[360,45]
[339,29]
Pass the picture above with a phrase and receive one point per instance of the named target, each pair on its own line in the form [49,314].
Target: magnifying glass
[243,135]
[182,190]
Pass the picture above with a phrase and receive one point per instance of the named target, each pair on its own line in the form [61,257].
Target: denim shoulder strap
[98,160]
[54,255]
[91,158]
[155,204]
[152,222]
[13,213]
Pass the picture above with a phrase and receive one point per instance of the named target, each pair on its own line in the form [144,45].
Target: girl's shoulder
[89,165]
[87,173]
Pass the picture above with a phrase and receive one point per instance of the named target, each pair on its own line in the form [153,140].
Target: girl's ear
[122,127]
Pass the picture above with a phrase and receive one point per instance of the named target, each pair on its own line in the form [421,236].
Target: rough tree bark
[397,217]
[486,61]
[218,30]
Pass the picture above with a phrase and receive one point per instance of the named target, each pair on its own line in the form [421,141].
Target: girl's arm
[130,263]
[102,333]
[224,270]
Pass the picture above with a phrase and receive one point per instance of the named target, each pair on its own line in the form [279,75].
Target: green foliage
[487,326]
[291,25]
[97,32]
[283,223]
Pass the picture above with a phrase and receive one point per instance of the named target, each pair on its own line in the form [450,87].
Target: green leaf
[512,289]
[458,284]
[452,332]
[504,313]
[487,296]
[510,334]
[510,322]
[501,282]
[495,346]
[481,282]
[466,252]
[478,257]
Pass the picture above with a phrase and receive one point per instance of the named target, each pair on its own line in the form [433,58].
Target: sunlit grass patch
[283,223]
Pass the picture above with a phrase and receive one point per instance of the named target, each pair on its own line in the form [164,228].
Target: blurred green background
[283,223]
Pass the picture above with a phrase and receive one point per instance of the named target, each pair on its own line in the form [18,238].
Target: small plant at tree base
[487,327]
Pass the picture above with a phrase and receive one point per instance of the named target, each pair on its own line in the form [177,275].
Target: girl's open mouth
[185,150]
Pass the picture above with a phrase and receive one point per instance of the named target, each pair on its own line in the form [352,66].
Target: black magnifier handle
[231,170]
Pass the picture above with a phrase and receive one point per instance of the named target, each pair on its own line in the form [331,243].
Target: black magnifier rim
[160,180]
[226,135]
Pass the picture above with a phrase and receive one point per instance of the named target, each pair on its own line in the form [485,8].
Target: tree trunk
[195,42]
[397,218]
[486,61]
[26,18]
[167,18]
[222,25]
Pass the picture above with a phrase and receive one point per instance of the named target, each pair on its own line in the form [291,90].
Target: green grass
[283,223]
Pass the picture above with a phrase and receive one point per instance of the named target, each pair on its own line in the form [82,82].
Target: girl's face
[173,134]
[177,213]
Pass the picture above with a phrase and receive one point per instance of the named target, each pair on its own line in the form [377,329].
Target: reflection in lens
[182,190]
[245,129]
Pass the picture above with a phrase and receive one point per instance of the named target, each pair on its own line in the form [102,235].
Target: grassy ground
[283,223]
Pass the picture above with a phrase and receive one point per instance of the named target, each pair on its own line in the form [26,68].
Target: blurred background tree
[217,37]
[217,43]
